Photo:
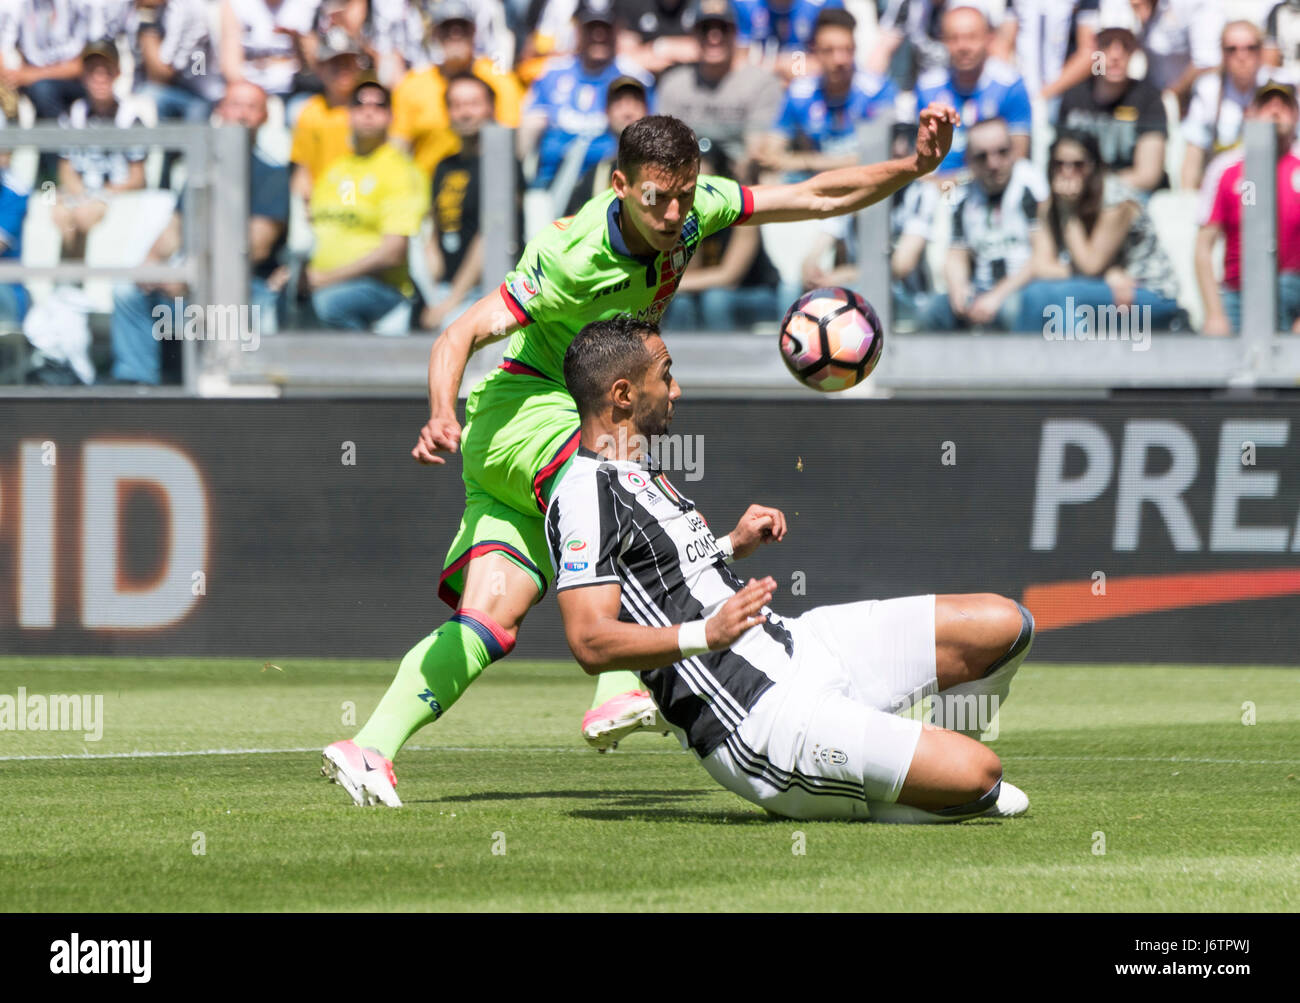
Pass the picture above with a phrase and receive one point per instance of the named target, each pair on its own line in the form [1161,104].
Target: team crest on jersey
[831,757]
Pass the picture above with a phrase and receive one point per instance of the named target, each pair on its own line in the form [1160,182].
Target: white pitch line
[633,752]
[317,748]
[1157,759]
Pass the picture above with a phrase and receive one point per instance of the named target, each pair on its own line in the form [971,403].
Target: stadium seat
[537,211]
[787,244]
[1174,215]
[937,249]
[1174,144]
[275,138]
[395,323]
[418,262]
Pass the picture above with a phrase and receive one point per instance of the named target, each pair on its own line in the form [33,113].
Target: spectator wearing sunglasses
[1095,245]
[1219,102]
[995,217]
[364,210]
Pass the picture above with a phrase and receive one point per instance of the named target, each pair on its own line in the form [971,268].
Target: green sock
[612,684]
[430,679]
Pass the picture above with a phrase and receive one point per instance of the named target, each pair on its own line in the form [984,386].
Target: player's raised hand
[934,135]
[439,435]
[739,613]
[759,524]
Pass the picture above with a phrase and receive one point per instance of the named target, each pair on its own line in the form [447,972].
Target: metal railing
[1258,356]
[214,213]
[215,267]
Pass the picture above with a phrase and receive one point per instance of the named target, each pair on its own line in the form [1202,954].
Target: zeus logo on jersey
[617,288]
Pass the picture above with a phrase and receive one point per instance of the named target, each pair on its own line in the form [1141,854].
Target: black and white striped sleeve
[584,532]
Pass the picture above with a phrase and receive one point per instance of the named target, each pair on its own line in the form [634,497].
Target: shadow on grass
[697,815]
[623,806]
[647,797]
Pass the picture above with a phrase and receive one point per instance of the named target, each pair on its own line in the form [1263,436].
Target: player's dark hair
[602,352]
[833,17]
[467,75]
[661,140]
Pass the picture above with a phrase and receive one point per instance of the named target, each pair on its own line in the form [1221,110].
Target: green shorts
[521,430]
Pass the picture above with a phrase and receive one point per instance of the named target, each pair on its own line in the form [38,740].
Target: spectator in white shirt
[49,36]
[176,59]
[1181,41]
[1214,119]
[1054,42]
[260,41]
[1282,36]
[89,177]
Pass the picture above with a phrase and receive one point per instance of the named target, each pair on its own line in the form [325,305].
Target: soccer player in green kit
[623,252]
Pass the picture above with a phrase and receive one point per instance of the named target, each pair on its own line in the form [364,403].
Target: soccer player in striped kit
[797,715]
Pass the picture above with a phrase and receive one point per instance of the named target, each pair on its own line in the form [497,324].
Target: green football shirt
[579,269]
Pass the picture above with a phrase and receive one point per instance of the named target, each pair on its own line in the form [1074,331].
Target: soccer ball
[831,339]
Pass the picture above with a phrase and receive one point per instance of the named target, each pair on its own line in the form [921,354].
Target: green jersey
[579,269]
[521,424]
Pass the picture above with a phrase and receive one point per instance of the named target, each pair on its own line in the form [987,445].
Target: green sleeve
[538,288]
[721,202]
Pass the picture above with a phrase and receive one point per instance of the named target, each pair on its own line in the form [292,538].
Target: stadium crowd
[1092,131]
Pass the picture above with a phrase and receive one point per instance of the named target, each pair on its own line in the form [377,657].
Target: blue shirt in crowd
[791,24]
[574,100]
[999,92]
[830,124]
[13,210]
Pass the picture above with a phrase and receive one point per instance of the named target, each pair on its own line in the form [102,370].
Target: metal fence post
[873,229]
[224,258]
[199,208]
[1258,248]
[498,199]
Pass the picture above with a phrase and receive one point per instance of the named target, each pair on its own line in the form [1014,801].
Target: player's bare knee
[980,770]
[1006,618]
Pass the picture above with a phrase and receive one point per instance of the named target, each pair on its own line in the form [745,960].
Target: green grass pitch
[1196,808]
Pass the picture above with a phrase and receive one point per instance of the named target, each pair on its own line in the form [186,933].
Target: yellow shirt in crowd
[361,199]
[420,110]
[322,135]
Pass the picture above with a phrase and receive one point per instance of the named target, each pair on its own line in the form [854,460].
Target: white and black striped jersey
[1283,29]
[613,521]
[1046,33]
[998,231]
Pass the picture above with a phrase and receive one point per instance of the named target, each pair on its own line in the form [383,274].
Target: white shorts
[827,740]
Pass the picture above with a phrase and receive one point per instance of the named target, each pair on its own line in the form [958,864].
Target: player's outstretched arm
[760,524]
[602,643]
[486,321]
[848,189]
